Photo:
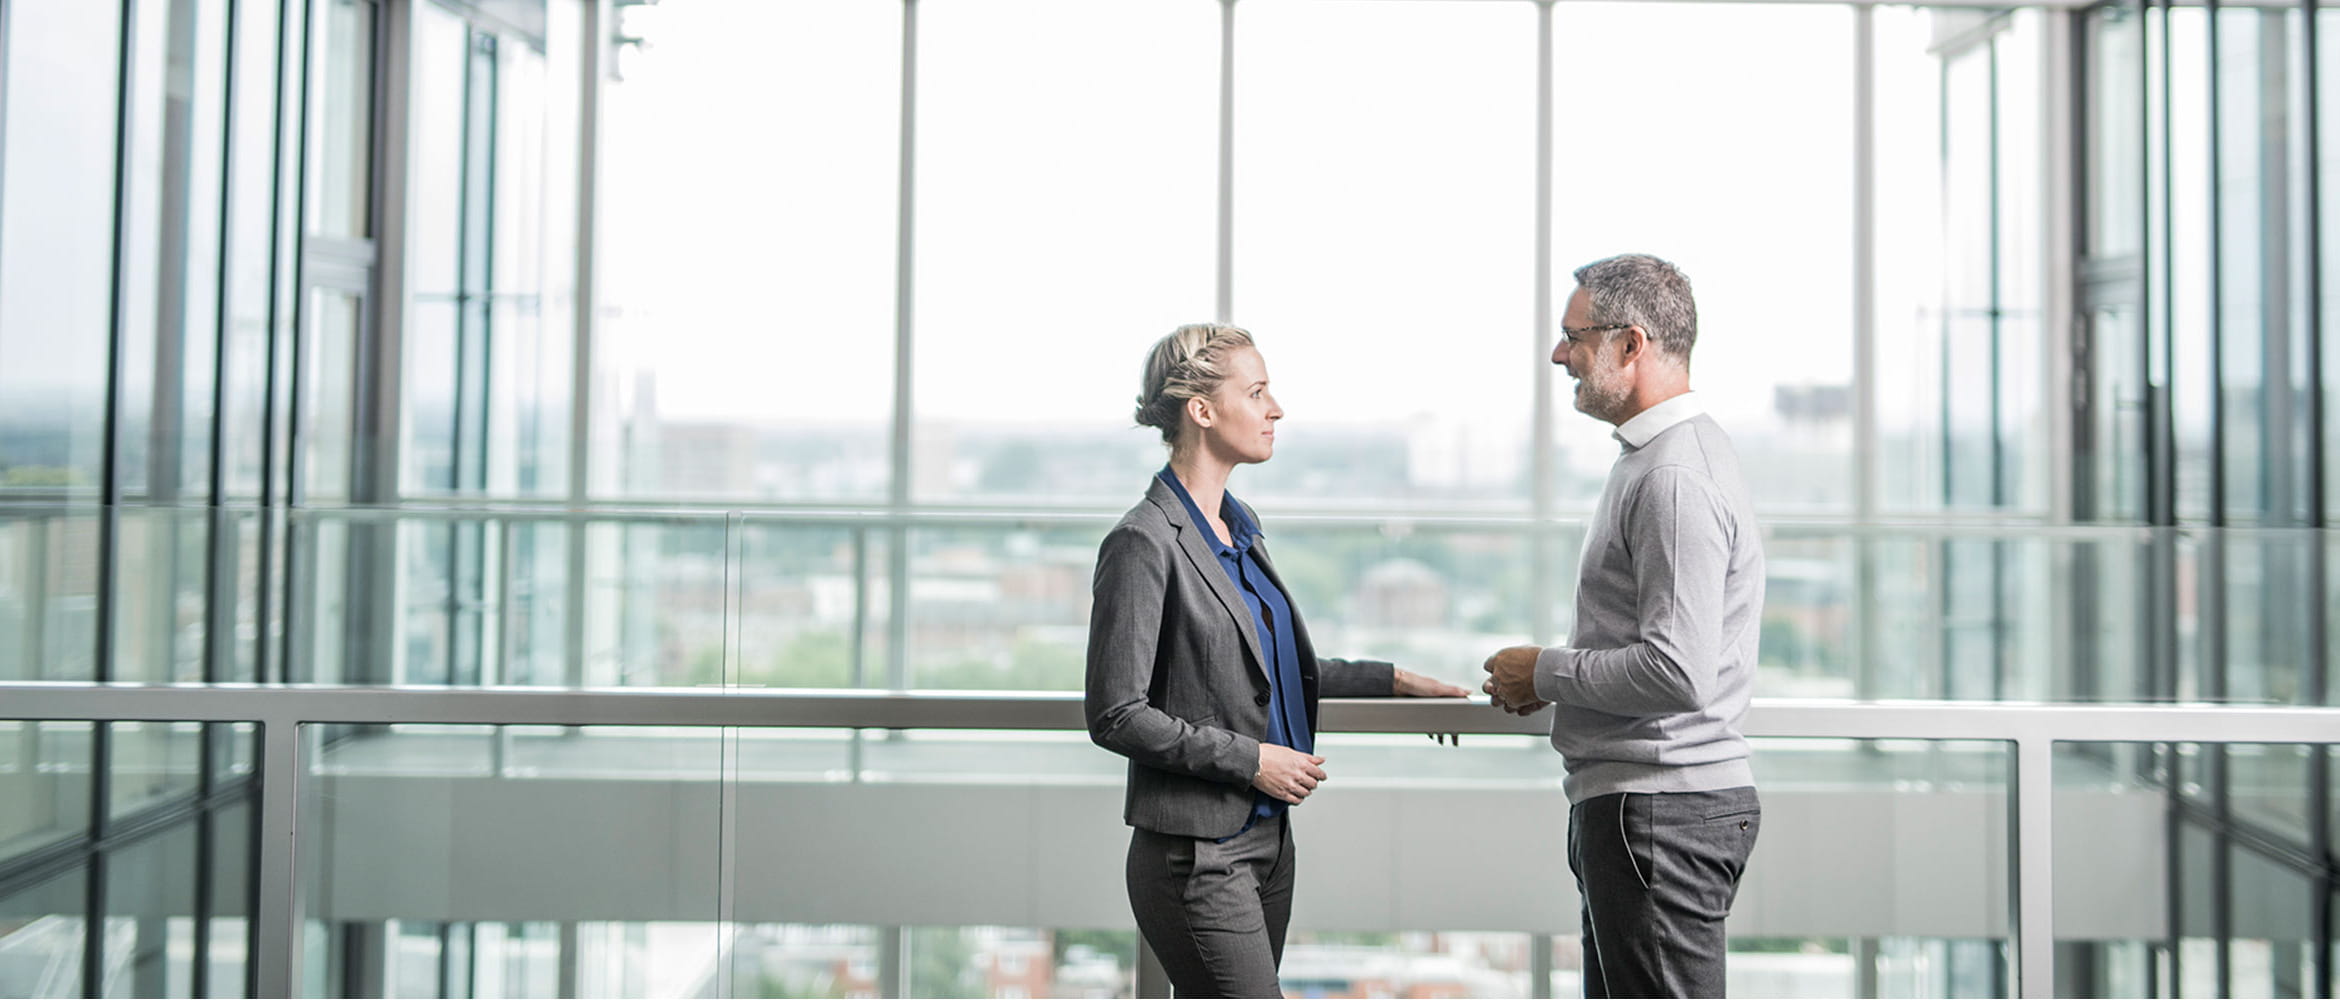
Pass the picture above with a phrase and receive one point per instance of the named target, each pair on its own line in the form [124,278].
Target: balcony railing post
[2033,874]
[277,924]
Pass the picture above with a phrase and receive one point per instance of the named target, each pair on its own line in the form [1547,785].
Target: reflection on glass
[42,935]
[2201,845]
[150,916]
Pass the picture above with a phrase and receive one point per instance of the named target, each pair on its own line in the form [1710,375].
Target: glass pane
[654,603]
[328,418]
[48,593]
[1035,837]
[435,207]
[45,771]
[152,762]
[1384,249]
[42,934]
[251,197]
[1913,256]
[2115,178]
[56,241]
[527,426]
[747,274]
[1434,602]
[150,915]
[343,120]
[813,600]
[1773,363]
[1061,228]
[962,582]
[161,566]
[171,279]
[230,866]
[425,839]
[2147,854]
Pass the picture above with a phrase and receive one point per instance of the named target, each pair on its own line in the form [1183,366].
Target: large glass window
[1657,172]
[750,165]
[56,240]
[1066,173]
[1384,246]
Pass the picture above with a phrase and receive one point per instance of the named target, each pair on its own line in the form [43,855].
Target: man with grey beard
[1650,693]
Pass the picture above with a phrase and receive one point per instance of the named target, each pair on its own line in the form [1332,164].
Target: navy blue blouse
[1271,615]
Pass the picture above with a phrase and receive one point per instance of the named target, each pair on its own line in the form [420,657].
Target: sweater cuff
[1551,665]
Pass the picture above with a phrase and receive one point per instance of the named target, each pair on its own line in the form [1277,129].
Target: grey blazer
[1176,681]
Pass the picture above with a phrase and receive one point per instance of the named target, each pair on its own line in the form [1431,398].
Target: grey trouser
[1215,913]
[1657,873]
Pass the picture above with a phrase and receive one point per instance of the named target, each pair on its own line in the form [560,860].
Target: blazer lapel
[1206,563]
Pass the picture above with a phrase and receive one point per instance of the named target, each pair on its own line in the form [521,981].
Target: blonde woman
[1201,673]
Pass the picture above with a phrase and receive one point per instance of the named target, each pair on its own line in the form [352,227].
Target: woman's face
[1242,414]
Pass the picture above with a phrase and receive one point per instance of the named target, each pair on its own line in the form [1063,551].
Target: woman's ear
[1198,410]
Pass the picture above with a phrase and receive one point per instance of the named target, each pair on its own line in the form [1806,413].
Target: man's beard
[1600,395]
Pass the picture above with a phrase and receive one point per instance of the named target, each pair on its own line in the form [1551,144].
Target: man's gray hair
[1636,289]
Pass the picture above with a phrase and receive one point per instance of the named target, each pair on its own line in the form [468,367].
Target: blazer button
[1261,699]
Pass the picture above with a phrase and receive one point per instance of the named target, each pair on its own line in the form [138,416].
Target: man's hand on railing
[1511,680]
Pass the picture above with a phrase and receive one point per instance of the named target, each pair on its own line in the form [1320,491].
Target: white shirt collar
[1648,424]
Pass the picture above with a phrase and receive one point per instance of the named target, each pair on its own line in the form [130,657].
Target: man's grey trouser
[1657,873]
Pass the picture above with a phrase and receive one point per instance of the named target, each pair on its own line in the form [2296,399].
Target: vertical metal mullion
[898,489]
[451,603]
[2217,284]
[1864,262]
[1544,574]
[2145,283]
[293,492]
[218,591]
[1997,313]
[109,505]
[118,293]
[2319,769]
[1866,484]
[585,298]
[1225,307]
[205,888]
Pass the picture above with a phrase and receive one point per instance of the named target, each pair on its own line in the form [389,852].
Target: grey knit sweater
[1651,691]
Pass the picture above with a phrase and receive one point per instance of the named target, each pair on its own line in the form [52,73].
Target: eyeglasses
[1573,331]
